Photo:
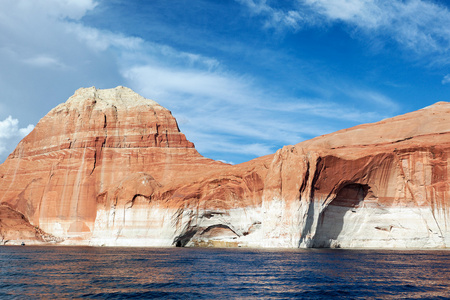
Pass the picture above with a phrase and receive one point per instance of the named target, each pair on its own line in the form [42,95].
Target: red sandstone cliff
[384,184]
[95,140]
[109,167]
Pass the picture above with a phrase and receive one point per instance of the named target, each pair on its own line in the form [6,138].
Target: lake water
[183,273]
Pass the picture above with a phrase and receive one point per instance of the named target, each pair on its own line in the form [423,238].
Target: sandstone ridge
[109,167]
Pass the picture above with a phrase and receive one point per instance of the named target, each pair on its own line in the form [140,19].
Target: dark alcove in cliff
[183,239]
[331,220]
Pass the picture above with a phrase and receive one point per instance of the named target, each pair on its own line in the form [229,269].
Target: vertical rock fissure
[95,162]
[403,174]
[98,153]
[310,215]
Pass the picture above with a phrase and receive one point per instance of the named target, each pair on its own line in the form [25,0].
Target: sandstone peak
[85,148]
[100,99]
[104,118]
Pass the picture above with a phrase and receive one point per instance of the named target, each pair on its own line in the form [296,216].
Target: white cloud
[163,80]
[8,127]
[26,130]
[276,18]
[11,134]
[44,61]
[375,99]
[159,53]
[446,79]
[101,40]
[420,26]
[60,9]
[326,111]
[364,13]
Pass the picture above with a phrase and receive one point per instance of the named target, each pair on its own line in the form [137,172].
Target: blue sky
[242,77]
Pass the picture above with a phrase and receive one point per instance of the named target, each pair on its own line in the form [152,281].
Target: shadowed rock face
[331,220]
[15,229]
[109,167]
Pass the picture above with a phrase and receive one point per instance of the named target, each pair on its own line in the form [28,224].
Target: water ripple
[174,273]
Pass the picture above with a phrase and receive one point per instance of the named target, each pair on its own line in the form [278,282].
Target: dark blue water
[183,273]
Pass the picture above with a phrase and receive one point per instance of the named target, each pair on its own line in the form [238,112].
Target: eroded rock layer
[16,230]
[109,167]
[86,146]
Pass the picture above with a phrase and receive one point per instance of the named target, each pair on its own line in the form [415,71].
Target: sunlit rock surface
[85,150]
[109,167]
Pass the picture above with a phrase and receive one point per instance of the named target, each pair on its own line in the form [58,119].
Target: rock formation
[109,167]
[86,146]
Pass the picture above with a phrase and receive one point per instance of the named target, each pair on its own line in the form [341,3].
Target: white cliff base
[366,226]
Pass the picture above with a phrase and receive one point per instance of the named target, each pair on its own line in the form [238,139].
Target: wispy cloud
[41,9]
[277,18]
[231,146]
[219,111]
[101,40]
[446,79]
[420,26]
[373,98]
[44,61]
[329,111]
[160,80]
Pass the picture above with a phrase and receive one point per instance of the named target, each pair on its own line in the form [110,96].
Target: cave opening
[331,221]
[183,239]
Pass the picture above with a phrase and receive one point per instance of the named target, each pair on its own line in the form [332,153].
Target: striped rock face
[109,167]
[88,145]
[380,185]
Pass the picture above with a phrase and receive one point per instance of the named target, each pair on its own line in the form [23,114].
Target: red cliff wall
[109,167]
